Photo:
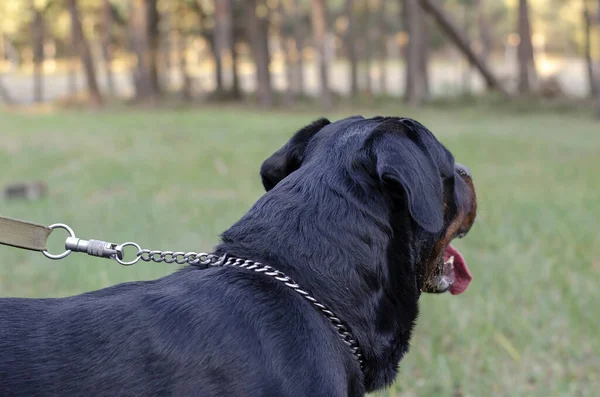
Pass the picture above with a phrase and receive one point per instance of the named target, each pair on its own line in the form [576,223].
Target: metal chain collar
[202,259]
[258,267]
[105,249]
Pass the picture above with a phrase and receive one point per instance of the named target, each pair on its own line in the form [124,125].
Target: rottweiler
[315,291]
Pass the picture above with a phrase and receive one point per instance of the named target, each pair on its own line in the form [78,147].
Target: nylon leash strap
[21,234]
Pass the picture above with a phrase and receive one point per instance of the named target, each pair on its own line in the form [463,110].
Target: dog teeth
[450,261]
[443,284]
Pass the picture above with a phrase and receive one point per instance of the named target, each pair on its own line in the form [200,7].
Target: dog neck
[352,258]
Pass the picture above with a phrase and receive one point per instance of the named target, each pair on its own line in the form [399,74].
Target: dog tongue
[462,274]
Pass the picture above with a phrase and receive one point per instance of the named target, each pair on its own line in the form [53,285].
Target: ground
[174,179]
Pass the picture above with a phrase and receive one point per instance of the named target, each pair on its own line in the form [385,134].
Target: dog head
[398,162]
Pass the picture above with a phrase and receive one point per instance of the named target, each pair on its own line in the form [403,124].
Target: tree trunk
[153,20]
[319,26]
[449,27]
[525,50]
[597,74]
[587,23]
[260,53]
[211,37]
[424,54]
[234,8]
[83,49]
[106,53]
[224,35]
[467,31]
[299,32]
[371,45]
[484,29]
[73,65]
[411,93]
[186,88]
[351,47]
[368,64]
[37,33]
[217,55]
[138,26]
[236,91]
[286,45]
[381,48]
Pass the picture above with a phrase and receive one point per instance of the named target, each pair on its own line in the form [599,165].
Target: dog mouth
[451,273]
[455,272]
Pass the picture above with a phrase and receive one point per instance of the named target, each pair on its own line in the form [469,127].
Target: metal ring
[128,244]
[144,255]
[153,257]
[168,256]
[67,252]
[179,258]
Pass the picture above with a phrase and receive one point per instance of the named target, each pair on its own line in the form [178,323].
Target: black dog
[360,213]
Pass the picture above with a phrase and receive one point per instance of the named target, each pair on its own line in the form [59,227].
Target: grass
[174,179]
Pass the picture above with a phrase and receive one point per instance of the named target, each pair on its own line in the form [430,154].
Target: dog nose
[463,170]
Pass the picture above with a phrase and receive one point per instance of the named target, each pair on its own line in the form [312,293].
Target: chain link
[191,258]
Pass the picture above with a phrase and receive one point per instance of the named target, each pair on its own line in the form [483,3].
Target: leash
[33,236]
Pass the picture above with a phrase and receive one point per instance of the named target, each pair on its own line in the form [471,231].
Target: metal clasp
[101,249]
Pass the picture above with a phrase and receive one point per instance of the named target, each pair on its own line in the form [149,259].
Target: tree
[72,66]
[260,52]
[211,35]
[299,33]
[224,35]
[139,45]
[381,46]
[350,44]
[236,17]
[416,54]
[449,27]
[597,75]
[144,41]
[411,14]
[525,50]
[589,63]
[106,40]
[319,26]
[83,49]
[467,7]
[153,20]
[484,29]
[369,44]
[37,45]
[424,33]
[181,48]
[279,20]
[224,41]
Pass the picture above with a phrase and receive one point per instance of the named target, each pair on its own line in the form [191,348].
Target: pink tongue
[461,271]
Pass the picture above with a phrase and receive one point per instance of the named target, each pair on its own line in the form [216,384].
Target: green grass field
[529,325]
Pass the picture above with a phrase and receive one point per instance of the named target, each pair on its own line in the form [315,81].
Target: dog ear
[289,158]
[403,161]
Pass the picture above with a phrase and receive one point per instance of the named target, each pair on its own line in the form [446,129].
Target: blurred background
[147,121]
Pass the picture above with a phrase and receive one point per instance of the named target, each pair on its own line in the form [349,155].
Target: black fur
[352,209]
